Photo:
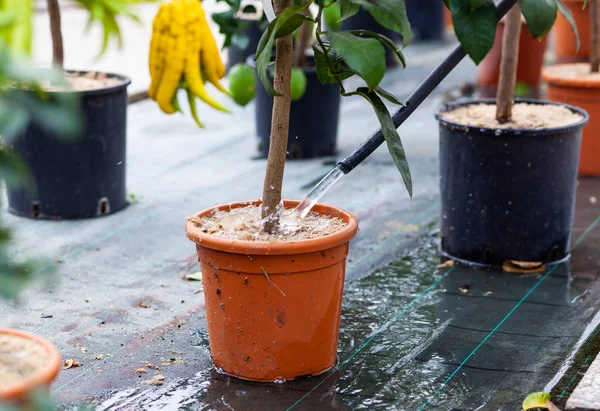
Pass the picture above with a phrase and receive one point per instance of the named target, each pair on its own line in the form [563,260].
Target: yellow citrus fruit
[242,84]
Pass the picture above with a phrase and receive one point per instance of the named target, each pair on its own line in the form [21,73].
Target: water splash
[318,192]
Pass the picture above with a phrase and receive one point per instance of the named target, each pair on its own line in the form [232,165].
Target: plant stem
[55,31]
[595,41]
[280,125]
[302,42]
[508,65]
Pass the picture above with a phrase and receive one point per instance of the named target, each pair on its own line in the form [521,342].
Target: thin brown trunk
[280,124]
[55,31]
[302,43]
[508,65]
[595,41]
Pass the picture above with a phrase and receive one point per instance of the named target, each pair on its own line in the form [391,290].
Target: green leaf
[365,56]
[539,14]
[348,9]
[195,276]
[12,170]
[392,138]
[386,41]
[388,96]
[564,10]
[475,29]
[390,14]
[324,72]
[267,41]
[536,400]
[291,25]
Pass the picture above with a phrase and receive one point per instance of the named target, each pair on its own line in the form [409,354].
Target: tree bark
[508,65]
[595,43]
[280,125]
[55,31]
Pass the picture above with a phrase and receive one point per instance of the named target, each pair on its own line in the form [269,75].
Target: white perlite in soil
[587,394]
[85,81]
[245,223]
[20,358]
[525,116]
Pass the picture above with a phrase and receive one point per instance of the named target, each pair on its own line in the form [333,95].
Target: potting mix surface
[125,304]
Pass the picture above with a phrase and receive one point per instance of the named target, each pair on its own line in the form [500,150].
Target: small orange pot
[531,58]
[18,393]
[273,309]
[565,44]
[583,92]
[447,18]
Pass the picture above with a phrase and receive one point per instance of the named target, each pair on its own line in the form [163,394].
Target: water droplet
[119,163]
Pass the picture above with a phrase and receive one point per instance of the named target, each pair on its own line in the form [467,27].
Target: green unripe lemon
[242,84]
[298,84]
[332,16]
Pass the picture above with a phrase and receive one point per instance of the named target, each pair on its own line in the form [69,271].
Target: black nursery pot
[236,55]
[313,118]
[82,177]
[426,18]
[507,194]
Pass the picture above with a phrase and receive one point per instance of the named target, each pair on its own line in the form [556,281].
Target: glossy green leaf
[325,73]
[348,9]
[365,56]
[392,138]
[388,96]
[564,10]
[390,14]
[536,400]
[385,41]
[291,25]
[475,29]
[539,14]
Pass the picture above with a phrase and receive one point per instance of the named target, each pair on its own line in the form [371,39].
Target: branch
[508,65]
[55,31]
[595,43]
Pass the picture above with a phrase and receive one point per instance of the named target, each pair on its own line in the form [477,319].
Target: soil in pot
[565,43]
[575,84]
[313,130]
[531,58]
[273,303]
[82,177]
[508,191]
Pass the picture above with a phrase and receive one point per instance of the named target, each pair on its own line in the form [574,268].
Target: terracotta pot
[39,381]
[531,58]
[583,92]
[565,45]
[447,18]
[273,309]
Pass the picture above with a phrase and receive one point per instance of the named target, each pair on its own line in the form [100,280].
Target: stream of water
[318,192]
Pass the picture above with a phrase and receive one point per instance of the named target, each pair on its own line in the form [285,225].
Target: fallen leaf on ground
[156,380]
[143,305]
[71,363]
[536,400]
[99,357]
[464,289]
[141,371]
[522,267]
[151,366]
[84,350]
[171,361]
[197,276]
[446,264]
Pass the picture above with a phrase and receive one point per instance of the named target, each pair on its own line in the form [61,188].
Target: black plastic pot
[79,178]
[313,118]
[364,21]
[426,19]
[507,194]
[236,55]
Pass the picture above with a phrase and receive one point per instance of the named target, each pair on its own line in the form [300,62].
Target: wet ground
[413,336]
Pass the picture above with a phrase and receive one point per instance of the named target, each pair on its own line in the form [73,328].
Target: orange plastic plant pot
[273,309]
[583,93]
[19,392]
[531,58]
[565,43]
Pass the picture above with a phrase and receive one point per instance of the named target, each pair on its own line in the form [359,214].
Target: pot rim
[488,131]
[274,248]
[575,82]
[40,379]
[125,81]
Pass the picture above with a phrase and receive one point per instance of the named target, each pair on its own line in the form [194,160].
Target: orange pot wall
[531,58]
[279,325]
[565,45]
[583,93]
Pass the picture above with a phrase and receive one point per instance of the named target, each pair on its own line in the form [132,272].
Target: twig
[56,33]
[508,65]
[595,40]
[269,280]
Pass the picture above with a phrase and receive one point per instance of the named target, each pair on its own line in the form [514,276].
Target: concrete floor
[119,299]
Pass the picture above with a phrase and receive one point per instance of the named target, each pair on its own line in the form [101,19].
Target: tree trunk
[302,42]
[280,125]
[508,65]
[595,43]
[55,31]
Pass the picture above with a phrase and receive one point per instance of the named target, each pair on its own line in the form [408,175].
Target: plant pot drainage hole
[35,209]
[103,206]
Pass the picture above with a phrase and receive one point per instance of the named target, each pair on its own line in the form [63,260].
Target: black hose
[415,99]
